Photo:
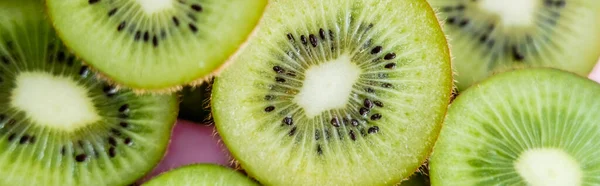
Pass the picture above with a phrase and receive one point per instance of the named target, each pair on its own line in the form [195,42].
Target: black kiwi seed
[112,141]
[124,124]
[378,103]
[368,103]
[516,55]
[121,26]
[128,141]
[354,122]
[322,33]
[109,90]
[451,20]
[373,129]
[146,36]
[463,23]
[112,152]
[331,35]
[291,37]
[70,60]
[319,150]
[193,27]
[313,40]
[352,136]
[389,56]
[12,137]
[483,38]
[60,56]
[369,90]
[81,158]
[154,41]
[93,1]
[390,66]
[279,79]
[268,97]
[124,108]
[197,7]
[24,139]
[278,69]
[112,12]
[335,122]
[363,111]
[288,121]
[303,39]
[63,150]
[386,85]
[375,117]
[292,132]
[376,50]
[137,36]
[269,108]
[5,59]
[175,20]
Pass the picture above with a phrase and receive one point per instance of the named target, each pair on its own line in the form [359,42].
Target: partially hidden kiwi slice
[336,92]
[61,126]
[525,127]
[155,45]
[492,36]
[201,174]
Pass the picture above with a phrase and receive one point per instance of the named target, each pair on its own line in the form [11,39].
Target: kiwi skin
[168,90]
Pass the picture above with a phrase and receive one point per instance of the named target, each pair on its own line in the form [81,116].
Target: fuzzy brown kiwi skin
[169,90]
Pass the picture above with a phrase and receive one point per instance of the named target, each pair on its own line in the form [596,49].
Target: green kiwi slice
[155,45]
[492,36]
[59,125]
[525,127]
[201,174]
[336,92]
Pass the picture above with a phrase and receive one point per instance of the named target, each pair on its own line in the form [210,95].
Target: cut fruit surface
[336,92]
[201,174]
[525,127]
[156,45]
[59,125]
[491,36]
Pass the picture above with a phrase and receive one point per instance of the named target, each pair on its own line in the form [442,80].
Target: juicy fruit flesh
[327,86]
[128,140]
[491,36]
[551,167]
[394,108]
[156,51]
[56,102]
[494,131]
[201,174]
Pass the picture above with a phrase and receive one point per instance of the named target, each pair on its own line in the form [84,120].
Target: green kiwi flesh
[155,45]
[201,174]
[536,126]
[491,36]
[59,125]
[336,92]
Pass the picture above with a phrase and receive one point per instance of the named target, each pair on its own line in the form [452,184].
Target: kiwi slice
[195,103]
[155,45]
[201,174]
[59,125]
[524,127]
[336,92]
[492,36]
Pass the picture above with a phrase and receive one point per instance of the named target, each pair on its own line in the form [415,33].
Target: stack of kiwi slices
[492,36]
[525,127]
[59,124]
[336,92]
[155,45]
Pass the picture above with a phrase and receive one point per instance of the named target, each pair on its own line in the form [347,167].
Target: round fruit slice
[491,36]
[155,45]
[336,92]
[526,127]
[61,126]
[201,174]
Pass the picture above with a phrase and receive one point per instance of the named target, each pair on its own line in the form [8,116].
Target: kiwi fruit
[492,36]
[195,103]
[59,125]
[155,45]
[336,92]
[535,126]
[201,174]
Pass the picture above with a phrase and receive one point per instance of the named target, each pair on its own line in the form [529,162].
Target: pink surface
[595,75]
[192,143]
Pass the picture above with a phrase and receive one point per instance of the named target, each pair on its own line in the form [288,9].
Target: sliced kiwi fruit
[59,125]
[195,103]
[492,36]
[201,174]
[536,126]
[336,92]
[155,45]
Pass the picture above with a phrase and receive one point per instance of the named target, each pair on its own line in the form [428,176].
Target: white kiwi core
[512,13]
[327,86]
[548,167]
[53,101]
[153,6]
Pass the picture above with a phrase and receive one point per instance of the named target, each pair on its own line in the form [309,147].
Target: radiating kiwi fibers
[526,127]
[491,36]
[336,92]
[155,45]
[201,174]
[59,125]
